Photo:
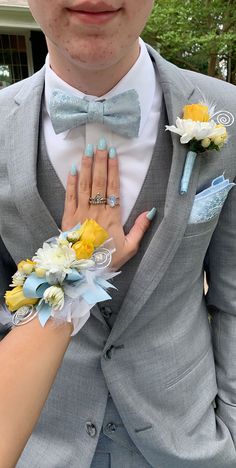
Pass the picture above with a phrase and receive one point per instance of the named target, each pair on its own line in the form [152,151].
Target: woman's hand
[99,174]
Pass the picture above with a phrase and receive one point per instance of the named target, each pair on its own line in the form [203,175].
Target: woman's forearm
[29,359]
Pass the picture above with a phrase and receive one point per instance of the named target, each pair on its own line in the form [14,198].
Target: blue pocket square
[208,203]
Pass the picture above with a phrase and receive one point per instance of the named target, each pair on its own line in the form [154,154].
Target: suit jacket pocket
[208,204]
[192,368]
[197,229]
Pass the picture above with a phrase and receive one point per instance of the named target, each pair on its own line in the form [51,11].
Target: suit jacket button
[106,312]
[91,429]
[108,353]
[111,427]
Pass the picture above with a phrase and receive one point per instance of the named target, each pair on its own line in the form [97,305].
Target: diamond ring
[97,200]
[113,201]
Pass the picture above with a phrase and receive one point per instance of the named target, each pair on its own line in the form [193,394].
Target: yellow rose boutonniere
[202,130]
[196,112]
[16,299]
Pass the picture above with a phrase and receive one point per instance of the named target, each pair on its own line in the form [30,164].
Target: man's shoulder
[211,89]
[10,92]
[211,85]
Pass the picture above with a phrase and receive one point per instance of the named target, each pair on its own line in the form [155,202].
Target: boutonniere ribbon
[202,130]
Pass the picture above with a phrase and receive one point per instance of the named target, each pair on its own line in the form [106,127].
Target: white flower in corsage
[55,259]
[54,296]
[65,278]
[201,132]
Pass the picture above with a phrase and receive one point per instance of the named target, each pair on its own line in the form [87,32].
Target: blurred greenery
[196,34]
[5,74]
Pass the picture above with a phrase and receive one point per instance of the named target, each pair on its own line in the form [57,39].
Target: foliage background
[196,34]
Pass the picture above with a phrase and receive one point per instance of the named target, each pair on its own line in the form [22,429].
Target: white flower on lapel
[189,130]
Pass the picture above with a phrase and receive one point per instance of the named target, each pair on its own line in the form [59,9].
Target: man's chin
[95,58]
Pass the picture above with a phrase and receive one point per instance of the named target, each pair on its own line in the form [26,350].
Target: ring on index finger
[98,199]
[113,201]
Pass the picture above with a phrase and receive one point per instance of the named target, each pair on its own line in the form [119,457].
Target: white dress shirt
[134,154]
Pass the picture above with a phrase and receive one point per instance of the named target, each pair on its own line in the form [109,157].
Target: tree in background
[196,34]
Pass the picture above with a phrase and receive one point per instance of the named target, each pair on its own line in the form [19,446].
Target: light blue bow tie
[121,113]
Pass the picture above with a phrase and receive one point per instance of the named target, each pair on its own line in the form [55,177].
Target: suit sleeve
[7,269]
[221,301]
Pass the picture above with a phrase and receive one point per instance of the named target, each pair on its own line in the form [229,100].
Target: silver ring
[24,315]
[113,201]
[97,200]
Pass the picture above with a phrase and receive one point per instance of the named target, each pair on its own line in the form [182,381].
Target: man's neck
[90,81]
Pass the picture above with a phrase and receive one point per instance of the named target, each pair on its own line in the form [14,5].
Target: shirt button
[111,427]
[108,353]
[91,429]
[106,312]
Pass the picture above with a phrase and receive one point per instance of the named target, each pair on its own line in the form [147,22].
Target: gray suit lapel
[177,92]
[22,148]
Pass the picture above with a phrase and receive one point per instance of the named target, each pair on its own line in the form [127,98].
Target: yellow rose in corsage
[92,231]
[16,299]
[83,249]
[203,130]
[25,266]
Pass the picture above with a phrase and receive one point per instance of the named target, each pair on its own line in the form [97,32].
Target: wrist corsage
[65,278]
[202,130]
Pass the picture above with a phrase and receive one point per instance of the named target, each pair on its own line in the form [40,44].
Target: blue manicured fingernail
[89,151]
[102,144]
[112,153]
[73,169]
[151,214]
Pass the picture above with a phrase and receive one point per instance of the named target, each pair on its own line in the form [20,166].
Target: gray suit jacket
[172,365]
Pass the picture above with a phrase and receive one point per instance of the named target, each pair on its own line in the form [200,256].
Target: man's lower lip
[93,18]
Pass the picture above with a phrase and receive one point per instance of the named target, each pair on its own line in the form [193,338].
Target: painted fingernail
[151,214]
[73,169]
[102,144]
[112,153]
[89,151]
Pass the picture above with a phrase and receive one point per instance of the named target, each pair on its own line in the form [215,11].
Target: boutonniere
[202,130]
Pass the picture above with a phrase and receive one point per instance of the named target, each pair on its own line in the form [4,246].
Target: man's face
[93,34]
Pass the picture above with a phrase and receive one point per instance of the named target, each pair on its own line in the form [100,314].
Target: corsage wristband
[65,278]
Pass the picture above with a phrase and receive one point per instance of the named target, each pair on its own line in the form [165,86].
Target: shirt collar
[141,77]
